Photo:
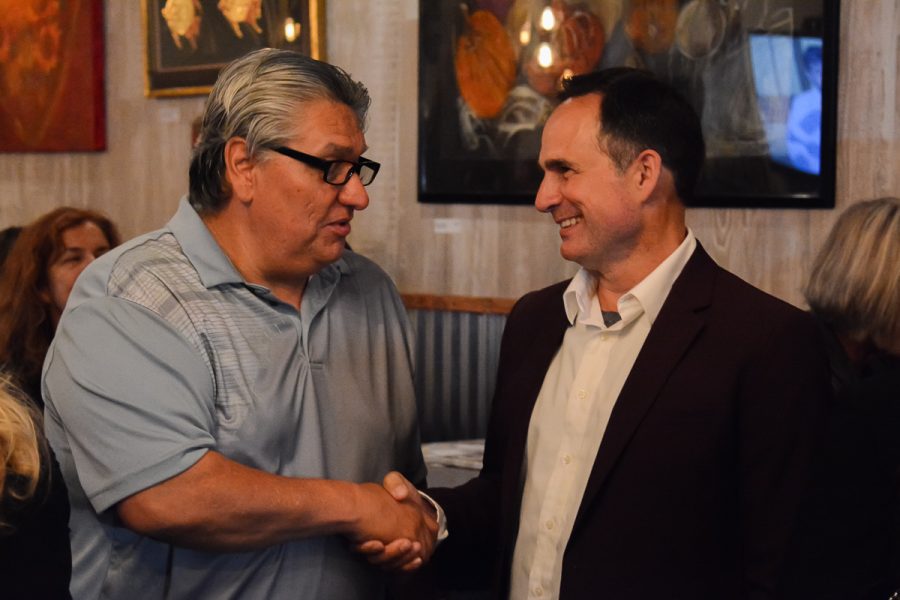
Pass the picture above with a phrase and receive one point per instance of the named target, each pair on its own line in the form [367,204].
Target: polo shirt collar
[213,265]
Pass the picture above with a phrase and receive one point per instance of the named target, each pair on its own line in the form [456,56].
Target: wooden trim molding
[492,306]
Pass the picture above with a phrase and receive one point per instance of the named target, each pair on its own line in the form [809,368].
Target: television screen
[788,75]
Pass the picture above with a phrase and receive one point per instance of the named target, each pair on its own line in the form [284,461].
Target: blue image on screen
[787,72]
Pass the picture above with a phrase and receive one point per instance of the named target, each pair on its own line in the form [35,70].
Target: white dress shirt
[572,412]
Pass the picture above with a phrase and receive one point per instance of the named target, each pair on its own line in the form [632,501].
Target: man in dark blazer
[654,418]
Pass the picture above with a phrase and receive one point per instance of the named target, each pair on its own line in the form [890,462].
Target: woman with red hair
[37,278]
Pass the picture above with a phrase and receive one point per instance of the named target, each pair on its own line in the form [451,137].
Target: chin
[571,254]
[333,253]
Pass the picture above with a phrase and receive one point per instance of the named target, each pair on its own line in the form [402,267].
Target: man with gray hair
[223,392]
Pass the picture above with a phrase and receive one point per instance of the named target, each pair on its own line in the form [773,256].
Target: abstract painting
[51,76]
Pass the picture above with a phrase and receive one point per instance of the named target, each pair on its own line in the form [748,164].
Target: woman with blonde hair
[35,558]
[849,544]
[37,277]
[854,286]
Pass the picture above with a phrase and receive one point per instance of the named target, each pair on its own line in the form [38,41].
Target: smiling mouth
[566,223]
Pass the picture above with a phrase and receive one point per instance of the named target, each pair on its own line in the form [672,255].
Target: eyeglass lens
[340,172]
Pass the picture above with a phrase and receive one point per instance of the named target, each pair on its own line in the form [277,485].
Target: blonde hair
[854,285]
[23,448]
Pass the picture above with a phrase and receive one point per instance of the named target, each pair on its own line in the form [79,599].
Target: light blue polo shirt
[165,352]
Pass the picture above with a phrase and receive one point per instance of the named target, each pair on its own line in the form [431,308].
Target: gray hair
[854,285]
[257,97]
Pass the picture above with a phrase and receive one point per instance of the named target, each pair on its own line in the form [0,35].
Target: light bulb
[548,21]
[545,55]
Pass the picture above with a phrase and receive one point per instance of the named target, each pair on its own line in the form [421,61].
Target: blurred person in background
[38,275]
[849,543]
[35,560]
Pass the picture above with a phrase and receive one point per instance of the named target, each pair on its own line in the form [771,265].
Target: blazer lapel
[529,377]
[675,328]
[525,385]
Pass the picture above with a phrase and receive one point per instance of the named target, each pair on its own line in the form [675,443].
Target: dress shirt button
[549,524]
[566,459]
[582,394]
[538,591]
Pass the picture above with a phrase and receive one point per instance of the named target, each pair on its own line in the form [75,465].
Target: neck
[654,247]
[238,246]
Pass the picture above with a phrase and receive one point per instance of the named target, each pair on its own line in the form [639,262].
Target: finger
[397,486]
[395,555]
[412,565]
[370,547]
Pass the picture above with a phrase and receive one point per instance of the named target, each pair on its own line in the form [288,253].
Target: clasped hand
[397,529]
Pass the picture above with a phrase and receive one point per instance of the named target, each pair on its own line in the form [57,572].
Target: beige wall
[501,251]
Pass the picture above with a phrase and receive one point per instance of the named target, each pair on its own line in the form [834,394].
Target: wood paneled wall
[500,251]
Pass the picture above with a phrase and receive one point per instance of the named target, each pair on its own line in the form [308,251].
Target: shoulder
[746,325]
[536,315]
[541,301]
[138,270]
[145,283]
[705,286]
[754,306]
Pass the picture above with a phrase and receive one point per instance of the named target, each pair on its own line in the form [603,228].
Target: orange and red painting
[51,76]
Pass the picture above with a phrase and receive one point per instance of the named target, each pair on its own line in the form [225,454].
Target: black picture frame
[183,53]
[745,75]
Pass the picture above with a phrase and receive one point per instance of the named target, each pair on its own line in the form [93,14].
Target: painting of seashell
[242,11]
[183,19]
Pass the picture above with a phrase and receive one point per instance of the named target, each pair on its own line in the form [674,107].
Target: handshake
[396,528]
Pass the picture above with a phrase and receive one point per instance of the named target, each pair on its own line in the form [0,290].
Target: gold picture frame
[187,42]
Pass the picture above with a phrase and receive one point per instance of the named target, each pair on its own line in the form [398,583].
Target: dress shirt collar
[213,265]
[648,296]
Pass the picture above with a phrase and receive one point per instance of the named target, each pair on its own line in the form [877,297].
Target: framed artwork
[762,75]
[189,41]
[51,76]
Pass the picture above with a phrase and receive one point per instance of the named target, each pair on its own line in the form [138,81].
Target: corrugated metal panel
[456,369]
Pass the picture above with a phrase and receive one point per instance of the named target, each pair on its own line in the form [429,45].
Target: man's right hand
[399,535]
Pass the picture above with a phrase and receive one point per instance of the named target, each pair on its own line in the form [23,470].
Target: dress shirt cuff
[441,518]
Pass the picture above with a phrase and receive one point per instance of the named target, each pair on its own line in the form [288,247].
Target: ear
[239,166]
[646,173]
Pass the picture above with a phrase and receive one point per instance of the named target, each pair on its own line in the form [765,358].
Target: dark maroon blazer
[695,487]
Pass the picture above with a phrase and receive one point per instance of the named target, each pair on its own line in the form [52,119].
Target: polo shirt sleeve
[135,399]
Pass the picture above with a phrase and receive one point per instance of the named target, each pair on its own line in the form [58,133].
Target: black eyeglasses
[335,172]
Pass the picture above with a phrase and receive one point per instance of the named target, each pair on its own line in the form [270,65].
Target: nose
[548,196]
[354,194]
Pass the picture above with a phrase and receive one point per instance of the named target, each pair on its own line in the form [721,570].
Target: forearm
[221,505]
